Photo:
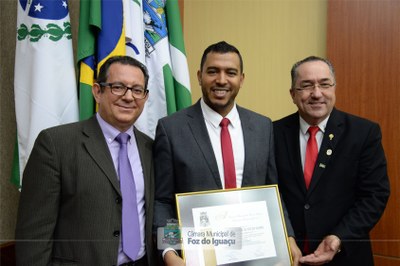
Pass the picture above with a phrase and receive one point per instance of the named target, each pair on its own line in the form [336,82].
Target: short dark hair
[221,47]
[293,71]
[124,60]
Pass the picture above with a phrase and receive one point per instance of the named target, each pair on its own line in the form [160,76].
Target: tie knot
[224,122]
[313,130]
[122,138]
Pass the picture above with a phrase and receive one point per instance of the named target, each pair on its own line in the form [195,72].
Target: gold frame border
[215,191]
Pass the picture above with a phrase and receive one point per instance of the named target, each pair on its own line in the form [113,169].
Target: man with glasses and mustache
[87,192]
[332,170]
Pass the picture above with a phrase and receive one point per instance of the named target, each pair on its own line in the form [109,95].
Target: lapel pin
[322,165]
[329,152]
[331,136]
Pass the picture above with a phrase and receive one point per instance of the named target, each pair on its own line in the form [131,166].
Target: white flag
[45,83]
[155,38]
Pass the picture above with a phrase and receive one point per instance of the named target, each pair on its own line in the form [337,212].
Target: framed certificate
[233,227]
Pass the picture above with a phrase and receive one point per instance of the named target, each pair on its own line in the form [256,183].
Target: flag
[169,83]
[44,83]
[101,35]
[149,31]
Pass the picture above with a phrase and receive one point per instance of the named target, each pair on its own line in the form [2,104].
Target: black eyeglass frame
[132,89]
[311,87]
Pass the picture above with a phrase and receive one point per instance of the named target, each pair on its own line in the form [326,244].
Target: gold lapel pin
[329,152]
[331,136]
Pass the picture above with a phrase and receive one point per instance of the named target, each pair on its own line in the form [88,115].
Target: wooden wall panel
[363,42]
[386,261]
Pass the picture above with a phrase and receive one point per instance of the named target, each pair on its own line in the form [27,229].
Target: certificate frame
[244,226]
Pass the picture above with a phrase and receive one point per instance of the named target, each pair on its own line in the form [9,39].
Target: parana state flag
[44,83]
[151,32]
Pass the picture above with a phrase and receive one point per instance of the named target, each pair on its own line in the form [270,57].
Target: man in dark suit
[349,186]
[70,210]
[187,146]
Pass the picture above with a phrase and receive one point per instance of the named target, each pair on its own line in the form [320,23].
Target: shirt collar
[215,118]
[304,125]
[110,132]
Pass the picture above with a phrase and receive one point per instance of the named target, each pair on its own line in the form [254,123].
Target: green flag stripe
[86,101]
[174,25]
[169,90]
[177,96]
[183,96]
[89,17]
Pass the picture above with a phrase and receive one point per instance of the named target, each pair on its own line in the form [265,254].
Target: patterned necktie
[311,155]
[130,218]
[227,155]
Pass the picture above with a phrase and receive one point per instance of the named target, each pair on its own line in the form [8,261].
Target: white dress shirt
[110,133]
[212,120]
[304,135]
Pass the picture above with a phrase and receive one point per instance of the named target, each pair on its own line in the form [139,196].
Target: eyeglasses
[120,89]
[310,87]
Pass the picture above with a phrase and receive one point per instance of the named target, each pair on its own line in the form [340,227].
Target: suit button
[116,233]
[118,200]
[307,206]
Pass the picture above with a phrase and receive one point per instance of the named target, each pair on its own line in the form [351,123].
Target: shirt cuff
[169,249]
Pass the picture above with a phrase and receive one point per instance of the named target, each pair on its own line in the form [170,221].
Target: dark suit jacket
[70,207]
[185,161]
[349,188]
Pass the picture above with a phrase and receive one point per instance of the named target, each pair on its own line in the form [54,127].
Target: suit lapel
[198,128]
[98,150]
[250,146]
[332,135]
[291,136]
[145,154]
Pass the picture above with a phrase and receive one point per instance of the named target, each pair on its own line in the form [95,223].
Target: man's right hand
[171,259]
[327,249]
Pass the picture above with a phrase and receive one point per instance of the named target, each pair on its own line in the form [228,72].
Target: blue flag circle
[46,9]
